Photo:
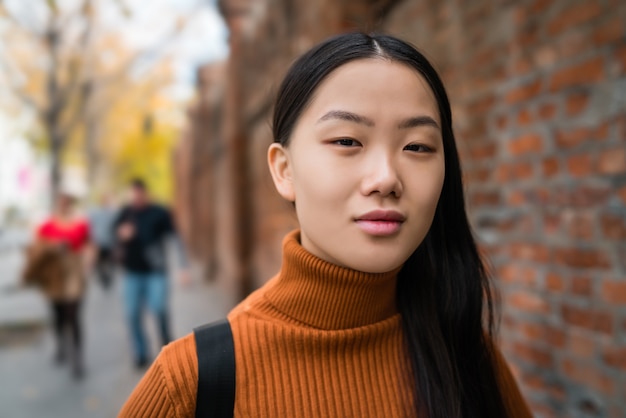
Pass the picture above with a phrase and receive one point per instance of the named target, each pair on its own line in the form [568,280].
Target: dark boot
[60,355]
[78,369]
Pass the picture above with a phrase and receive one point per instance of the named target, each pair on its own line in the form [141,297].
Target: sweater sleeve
[168,389]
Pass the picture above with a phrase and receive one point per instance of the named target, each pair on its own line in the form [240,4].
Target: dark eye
[346,142]
[418,148]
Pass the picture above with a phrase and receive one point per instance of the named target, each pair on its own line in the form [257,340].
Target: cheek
[319,180]
[427,190]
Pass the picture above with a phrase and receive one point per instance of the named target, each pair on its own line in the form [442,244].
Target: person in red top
[67,235]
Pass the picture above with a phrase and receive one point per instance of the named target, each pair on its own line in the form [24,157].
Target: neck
[326,296]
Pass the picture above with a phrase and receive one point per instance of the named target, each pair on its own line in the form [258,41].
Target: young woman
[57,262]
[382,307]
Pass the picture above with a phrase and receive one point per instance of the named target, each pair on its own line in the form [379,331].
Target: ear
[280,168]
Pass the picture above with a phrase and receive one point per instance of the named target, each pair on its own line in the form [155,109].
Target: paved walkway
[30,386]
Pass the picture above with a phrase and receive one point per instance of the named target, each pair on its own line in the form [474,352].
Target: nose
[381,177]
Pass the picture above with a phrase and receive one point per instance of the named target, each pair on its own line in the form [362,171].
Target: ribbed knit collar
[326,296]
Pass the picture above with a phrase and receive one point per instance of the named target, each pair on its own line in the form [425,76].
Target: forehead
[65,199]
[372,85]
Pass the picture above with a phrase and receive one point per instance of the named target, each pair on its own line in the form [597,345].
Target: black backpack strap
[216,370]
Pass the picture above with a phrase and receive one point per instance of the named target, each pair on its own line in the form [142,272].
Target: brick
[521,67]
[533,355]
[612,161]
[525,144]
[573,16]
[527,37]
[582,258]
[504,173]
[615,357]
[515,171]
[551,224]
[581,345]
[516,198]
[587,318]
[587,375]
[557,391]
[609,32]
[580,225]
[581,286]
[477,129]
[509,321]
[512,273]
[576,103]
[483,151]
[532,252]
[579,197]
[526,224]
[535,382]
[485,198]
[529,302]
[621,255]
[616,411]
[574,137]
[613,226]
[554,336]
[501,122]
[622,194]
[549,166]
[554,282]
[544,410]
[547,111]
[524,117]
[540,6]
[521,171]
[579,165]
[477,175]
[532,331]
[501,225]
[523,93]
[585,73]
[482,105]
[614,292]
[545,56]
[571,44]
[620,57]
[520,16]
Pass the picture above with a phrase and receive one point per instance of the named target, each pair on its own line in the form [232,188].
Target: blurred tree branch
[72,94]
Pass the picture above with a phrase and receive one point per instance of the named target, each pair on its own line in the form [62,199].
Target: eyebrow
[418,121]
[412,122]
[347,116]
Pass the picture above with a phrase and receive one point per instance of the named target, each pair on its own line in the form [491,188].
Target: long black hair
[443,293]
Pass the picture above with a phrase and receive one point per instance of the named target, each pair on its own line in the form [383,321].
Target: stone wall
[538,90]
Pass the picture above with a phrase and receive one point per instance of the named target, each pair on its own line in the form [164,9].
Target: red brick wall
[538,90]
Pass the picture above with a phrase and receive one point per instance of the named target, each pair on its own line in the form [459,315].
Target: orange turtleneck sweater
[317,340]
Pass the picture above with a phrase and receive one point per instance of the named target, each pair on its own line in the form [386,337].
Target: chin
[376,265]
[377,259]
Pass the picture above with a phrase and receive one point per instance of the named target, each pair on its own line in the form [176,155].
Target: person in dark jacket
[143,229]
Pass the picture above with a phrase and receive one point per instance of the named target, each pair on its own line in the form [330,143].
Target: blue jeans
[141,289]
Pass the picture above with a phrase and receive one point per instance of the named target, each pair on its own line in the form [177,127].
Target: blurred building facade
[538,95]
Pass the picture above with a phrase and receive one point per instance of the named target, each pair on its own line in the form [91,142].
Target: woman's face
[364,165]
[64,205]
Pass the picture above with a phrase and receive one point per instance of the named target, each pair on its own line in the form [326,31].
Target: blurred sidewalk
[31,386]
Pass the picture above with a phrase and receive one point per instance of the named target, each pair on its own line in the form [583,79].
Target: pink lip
[380,222]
